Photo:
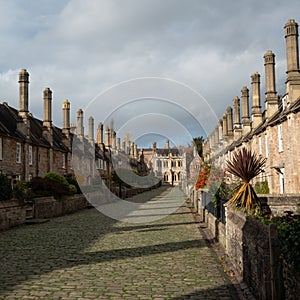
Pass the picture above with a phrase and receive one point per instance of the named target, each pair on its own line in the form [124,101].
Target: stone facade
[166,163]
[273,134]
[30,147]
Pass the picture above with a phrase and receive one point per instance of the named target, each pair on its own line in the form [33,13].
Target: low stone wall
[281,203]
[49,207]
[247,244]
[11,214]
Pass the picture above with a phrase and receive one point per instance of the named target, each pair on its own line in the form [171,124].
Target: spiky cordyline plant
[246,165]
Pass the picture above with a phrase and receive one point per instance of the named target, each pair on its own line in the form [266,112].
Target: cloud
[80,48]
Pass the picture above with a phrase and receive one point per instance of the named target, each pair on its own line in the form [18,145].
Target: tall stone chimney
[47,108]
[132,149]
[167,145]
[154,146]
[118,144]
[80,128]
[225,130]
[99,136]
[246,128]
[66,118]
[135,152]
[229,122]
[256,107]
[216,136]
[271,102]
[220,131]
[23,93]
[237,128]
[114,139]
[292,58]
[91,129]
[107,136]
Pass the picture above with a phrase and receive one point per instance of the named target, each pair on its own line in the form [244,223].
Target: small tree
[245,165]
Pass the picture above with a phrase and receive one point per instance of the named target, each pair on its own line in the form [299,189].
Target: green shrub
[262,187]
[5,188]
[22,191]
[72,180]
[56,177]
[72,189]
[289,234]
[49,187]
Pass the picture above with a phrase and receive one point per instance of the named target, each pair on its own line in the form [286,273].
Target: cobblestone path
[87,255]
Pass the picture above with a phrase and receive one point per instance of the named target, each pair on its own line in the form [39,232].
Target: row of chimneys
[110,135]
[232,128]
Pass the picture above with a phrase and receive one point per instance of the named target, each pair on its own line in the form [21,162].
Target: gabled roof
[9,119]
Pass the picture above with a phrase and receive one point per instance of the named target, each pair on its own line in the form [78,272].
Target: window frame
[18,153]
[30,155]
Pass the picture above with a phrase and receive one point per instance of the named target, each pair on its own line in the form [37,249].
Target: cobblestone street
[87,255]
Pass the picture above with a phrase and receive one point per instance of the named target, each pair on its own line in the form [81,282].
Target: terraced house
[273,133]
[30,147]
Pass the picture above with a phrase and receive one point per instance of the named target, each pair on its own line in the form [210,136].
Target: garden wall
[281,203]
[11,214]
[49,207]
[253,247]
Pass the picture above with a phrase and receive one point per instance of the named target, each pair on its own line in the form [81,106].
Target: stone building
[273,133]
[166,163]
[30,147]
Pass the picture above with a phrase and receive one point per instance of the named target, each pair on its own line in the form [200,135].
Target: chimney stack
[107,137]
[256,107]
[100,134]
[47,108]
[114,139]
[271,102]
[220,130]
[292,58]
[135,152]
[229,122]
[131,149]
[80,128]
[154,146]
[245,111]
[91,129]
[118,144]
[237,128]
[167,145]
[23,93]
[66,118]
[225,131]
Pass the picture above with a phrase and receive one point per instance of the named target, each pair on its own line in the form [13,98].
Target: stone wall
[11,214]
[49,207]
[281,203]
[254,248]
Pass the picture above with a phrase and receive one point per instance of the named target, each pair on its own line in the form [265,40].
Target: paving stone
[87,255]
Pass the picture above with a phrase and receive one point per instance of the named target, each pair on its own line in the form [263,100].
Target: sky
[96,52]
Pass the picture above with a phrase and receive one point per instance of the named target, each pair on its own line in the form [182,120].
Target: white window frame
[267,146]
[18,153]
[281,181]
[1,149]
[280,138]
[30,155]
[63,161]
[260,145]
